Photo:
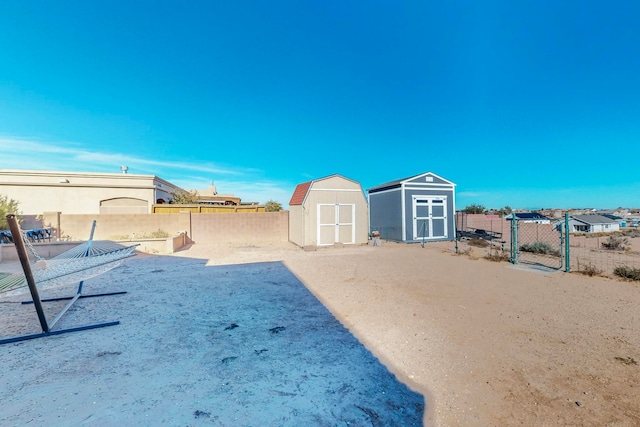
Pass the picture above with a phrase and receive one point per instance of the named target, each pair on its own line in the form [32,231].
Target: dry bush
[632,232]
[589,270]
[479,243]
[615,243]
[497,256]
[469,252]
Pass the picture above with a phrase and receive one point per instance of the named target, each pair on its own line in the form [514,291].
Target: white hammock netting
[82,262]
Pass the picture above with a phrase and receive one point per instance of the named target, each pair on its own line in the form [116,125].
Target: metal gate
[536,243]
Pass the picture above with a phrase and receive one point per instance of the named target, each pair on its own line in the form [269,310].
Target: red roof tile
[299,193]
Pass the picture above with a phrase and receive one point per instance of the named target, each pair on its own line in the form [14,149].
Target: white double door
[336,224]
[429,217]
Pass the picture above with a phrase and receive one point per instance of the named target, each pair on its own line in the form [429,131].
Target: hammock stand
[104,260]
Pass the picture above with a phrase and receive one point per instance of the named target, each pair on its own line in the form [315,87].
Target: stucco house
[84,192]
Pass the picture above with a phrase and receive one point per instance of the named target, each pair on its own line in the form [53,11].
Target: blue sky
[522,103]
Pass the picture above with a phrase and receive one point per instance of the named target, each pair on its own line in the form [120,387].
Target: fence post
[455,231]
[514,240]
[567,251]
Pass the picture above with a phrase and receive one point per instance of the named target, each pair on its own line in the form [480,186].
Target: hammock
[82,262]
[77,264]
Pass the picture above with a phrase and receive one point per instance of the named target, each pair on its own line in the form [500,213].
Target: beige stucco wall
[113,227]
[247,228]
[82,193]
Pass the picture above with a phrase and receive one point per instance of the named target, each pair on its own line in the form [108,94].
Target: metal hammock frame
[77,264]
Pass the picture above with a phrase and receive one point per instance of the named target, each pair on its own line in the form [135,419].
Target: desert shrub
[497,256]
[615,243]
[590,270]
[539,248]
[120,237]
[159,234]
[627,272]
[469,253]
[632,233]
[479,243]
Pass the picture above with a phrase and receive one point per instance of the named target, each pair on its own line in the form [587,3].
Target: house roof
[301,191]
[398,182]
[593,219]
[611,216]
[527,215]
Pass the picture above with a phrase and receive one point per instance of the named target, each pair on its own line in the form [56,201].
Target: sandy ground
[486,343]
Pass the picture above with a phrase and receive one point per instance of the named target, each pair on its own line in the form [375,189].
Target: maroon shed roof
[299,193]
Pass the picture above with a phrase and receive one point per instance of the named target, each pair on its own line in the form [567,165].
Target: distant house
[592,224]
[529,217]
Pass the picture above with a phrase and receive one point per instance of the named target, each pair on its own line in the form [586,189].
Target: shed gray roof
[398,182]
[593,219]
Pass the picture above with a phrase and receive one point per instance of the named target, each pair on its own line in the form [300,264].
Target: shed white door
[429,217]
[336,224]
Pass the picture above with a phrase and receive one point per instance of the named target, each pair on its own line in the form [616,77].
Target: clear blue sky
[521,103]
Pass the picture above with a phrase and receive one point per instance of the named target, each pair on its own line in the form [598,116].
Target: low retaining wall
[45,250]
[49,250]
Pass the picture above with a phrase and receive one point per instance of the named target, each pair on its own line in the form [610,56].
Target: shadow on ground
[236,345]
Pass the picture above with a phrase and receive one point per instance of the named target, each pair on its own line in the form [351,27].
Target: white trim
[336,223]
[404,214]
[385,191]
[429,184]
[429,199]
[335,189]
[425,174]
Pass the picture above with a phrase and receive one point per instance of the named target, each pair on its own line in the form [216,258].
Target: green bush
[539,248]
[7,206]
[272,206]
[627,272]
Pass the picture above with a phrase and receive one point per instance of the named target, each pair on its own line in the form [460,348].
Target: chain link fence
[537,243]
[615,254]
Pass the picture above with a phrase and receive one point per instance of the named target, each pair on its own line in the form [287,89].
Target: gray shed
[327,211]
[415,209]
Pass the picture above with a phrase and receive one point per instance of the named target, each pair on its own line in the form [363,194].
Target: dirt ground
[486,343]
